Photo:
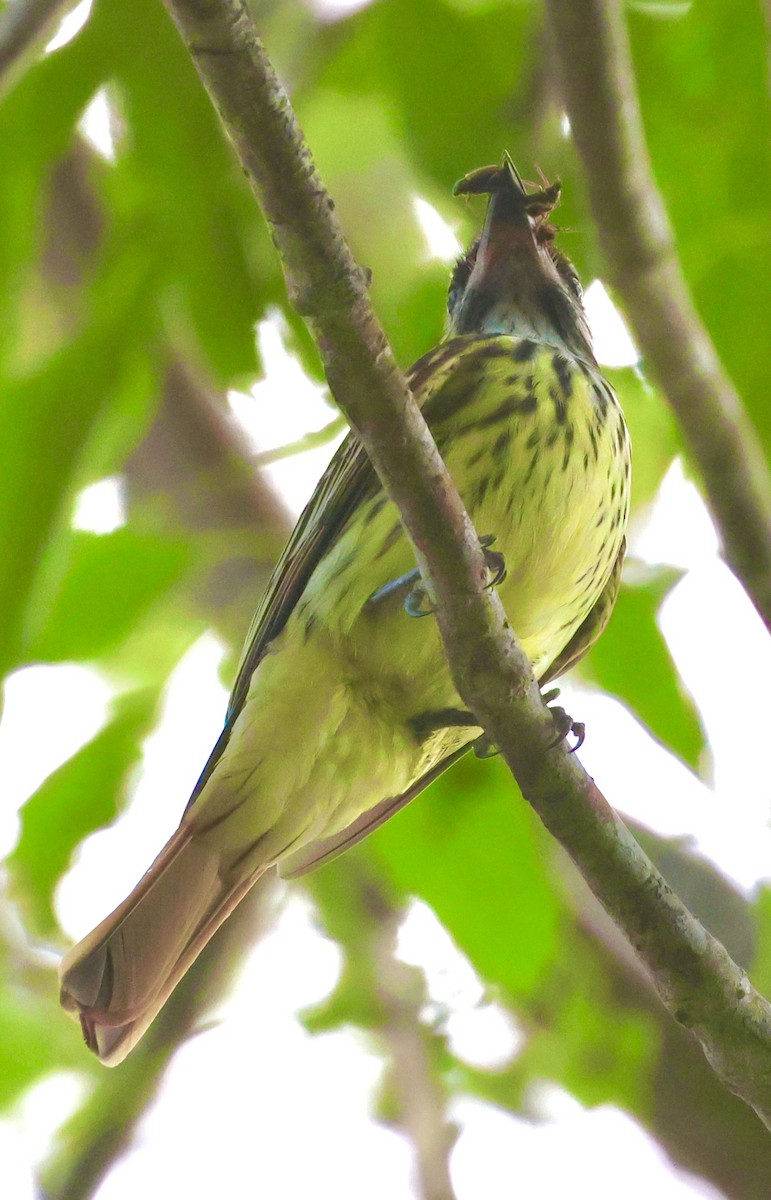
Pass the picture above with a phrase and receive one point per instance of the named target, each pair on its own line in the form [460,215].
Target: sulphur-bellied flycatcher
[343,708]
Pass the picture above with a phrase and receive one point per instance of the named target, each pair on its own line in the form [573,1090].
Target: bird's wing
[348,480]
[592,626]
[583,639]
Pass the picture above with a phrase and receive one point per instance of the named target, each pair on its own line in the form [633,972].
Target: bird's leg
[444,718]
[394,586]
[563,722]
[426,723]
[485,747]
[418,602]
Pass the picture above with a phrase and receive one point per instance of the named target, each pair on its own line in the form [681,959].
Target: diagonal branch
[23,25]
[694,975]
[597,81]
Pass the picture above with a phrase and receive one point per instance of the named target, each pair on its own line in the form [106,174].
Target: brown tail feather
[118,978]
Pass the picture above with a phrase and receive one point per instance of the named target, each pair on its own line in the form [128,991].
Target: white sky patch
[728,822]
[283,407]
[41,1110]
[303,962]
[97,127]
[678,529]
[727,825]
[573,1144]
[423,941]
[613,344]
[441,241]
[310,1097]
[101,507]
[50,711]
[479,1031]
[736,723]
[111,861]
[335,10]
[70,26]
[18,1180]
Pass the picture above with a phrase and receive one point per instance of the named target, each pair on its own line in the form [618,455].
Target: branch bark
[412,1074]
[694,975]
[389,999]
[597,81]
[23,25]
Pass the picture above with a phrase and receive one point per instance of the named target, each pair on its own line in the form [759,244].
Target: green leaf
[103,588]
[581,1034]
[655,437]
[474,851]
[761,967]
[35,1037]
[180,188]
[46,423]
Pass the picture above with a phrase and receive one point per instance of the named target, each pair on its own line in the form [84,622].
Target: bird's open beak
[512,214]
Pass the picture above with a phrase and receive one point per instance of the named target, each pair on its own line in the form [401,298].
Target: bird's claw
[484,747]
[563,723]
[496,563]
[419,603]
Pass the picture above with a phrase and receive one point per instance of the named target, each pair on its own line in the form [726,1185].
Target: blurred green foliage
[112,271]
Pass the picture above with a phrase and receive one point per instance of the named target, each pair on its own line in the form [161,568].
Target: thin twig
[417,1085]
[392,994]
[309,441]
[23,25]
[598,89]
[693,973]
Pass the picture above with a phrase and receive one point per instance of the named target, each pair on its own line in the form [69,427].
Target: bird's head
[513,280]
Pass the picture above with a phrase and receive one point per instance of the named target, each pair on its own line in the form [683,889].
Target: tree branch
[694,975]
[413,1076]
[597,82]
[385,997]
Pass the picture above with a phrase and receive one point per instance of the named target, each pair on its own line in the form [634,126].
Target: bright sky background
[257,1099]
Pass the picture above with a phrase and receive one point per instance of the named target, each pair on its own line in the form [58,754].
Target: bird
[343,707]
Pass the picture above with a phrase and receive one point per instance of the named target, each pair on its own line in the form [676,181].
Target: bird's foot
[563,723]
[419,602]
[496,563]
[446,718]
[394,586]
[485,747]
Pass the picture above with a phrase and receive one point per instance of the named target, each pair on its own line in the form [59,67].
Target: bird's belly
[552,491]
[558,560]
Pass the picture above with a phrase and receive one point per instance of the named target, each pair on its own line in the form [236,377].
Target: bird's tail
[117,979]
